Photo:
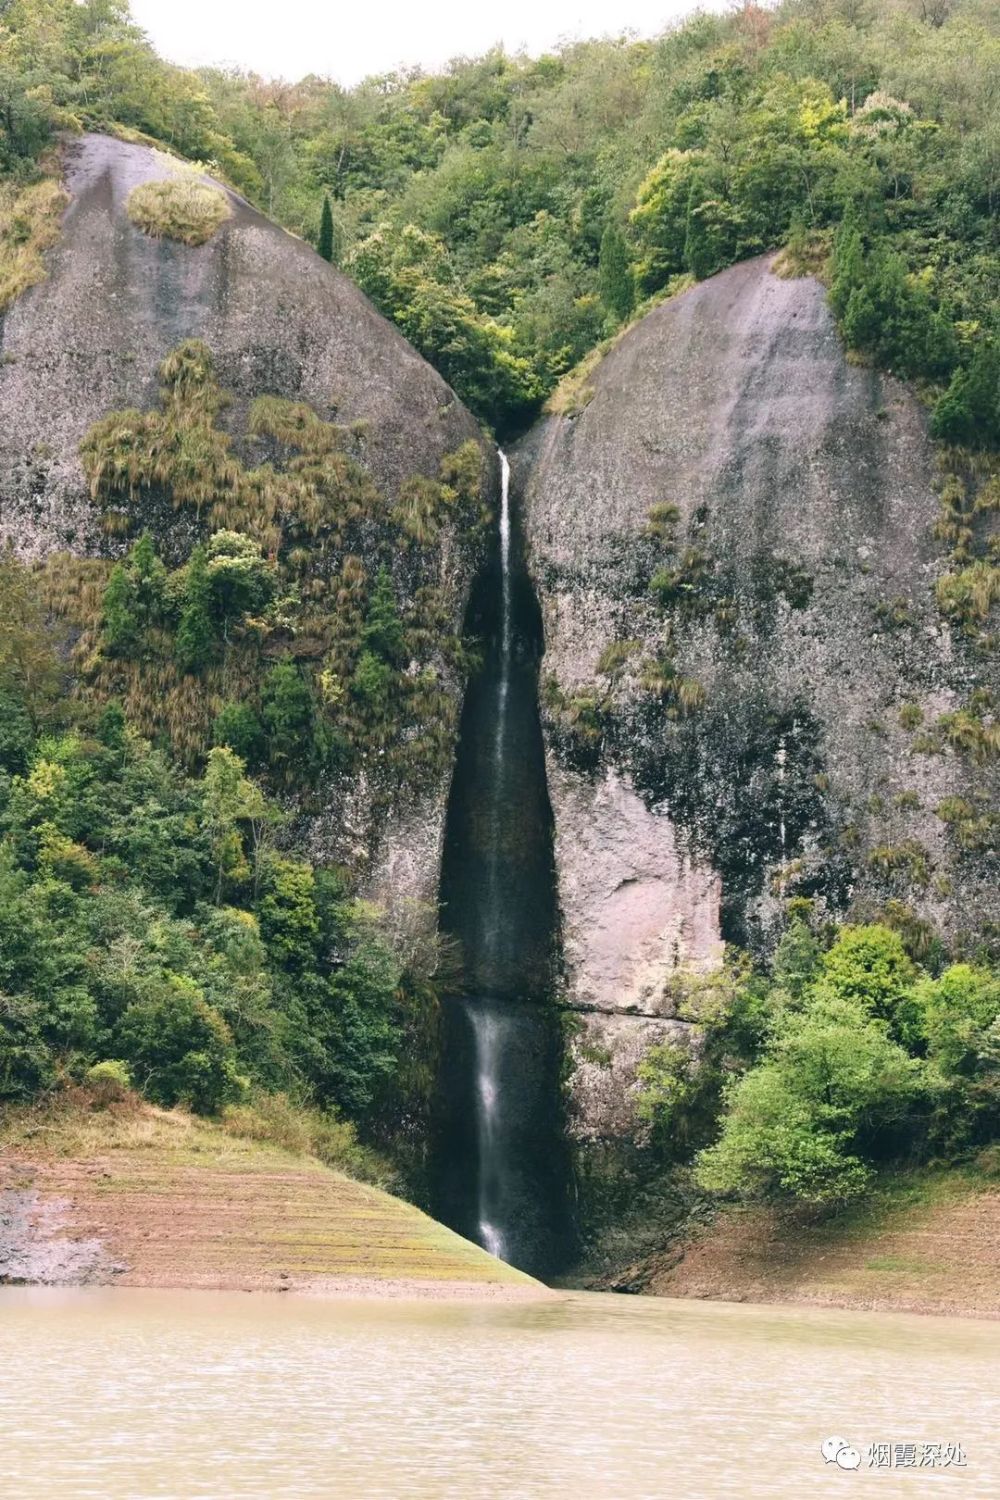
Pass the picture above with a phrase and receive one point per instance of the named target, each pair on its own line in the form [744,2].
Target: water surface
[136,1394]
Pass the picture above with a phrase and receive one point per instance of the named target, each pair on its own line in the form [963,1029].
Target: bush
[831,1091]
[178,208]
[237,726]
[109,1082]
[179,1049]
[968,414]
[276,1120]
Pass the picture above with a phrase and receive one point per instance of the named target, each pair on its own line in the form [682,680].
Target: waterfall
[501,1162]
[506,622]
[486,1026]
[496,792]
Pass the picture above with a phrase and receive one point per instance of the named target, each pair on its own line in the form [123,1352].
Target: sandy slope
[932,1244]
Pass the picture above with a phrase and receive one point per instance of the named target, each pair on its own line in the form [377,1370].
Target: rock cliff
[750,687]
[278,321]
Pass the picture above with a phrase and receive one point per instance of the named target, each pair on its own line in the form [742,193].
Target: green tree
[195,643]
[831,1092]
[869,966]
[240,579]
[230,800]
[179,1049]
[968,414]
[615,273]
[383,631]
[121,620]
[297,744]
[289,921]
[325,245]
[237,726]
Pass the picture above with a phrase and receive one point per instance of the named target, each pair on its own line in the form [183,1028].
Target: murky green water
[183,1394]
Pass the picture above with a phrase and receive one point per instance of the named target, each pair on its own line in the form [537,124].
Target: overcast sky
[290,38]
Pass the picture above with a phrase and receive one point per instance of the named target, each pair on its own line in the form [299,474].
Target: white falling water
[491,934]
[486,1027]
[505,614]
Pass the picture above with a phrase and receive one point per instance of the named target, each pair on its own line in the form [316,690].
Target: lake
[127,1393]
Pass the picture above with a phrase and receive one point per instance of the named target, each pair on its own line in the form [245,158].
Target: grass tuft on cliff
[29,224]
[178,208]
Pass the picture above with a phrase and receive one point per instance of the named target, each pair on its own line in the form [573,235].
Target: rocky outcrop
[733,542]
[278,321]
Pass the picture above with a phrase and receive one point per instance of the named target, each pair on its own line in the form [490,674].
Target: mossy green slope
[178,1201]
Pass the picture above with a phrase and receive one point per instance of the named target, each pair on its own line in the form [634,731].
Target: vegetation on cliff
[153,930]
[148,919]
[178,208]
[305,627]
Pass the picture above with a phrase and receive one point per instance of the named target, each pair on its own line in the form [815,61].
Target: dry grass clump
[29,224]
[178,208]
[274,1120]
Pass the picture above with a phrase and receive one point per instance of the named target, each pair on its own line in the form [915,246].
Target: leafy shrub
[108,1082]
[831,1088]
[179,1049]
[968,414]
[237,726]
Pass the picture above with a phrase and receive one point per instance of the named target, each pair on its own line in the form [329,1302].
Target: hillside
[927,1243]
[145,1197]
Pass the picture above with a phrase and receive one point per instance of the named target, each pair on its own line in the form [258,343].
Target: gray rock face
[797,604]
[37,1246]
[278,320]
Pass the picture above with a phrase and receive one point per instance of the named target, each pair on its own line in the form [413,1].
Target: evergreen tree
[848,263]
[195,635]
[296,740]
[968,414]
[615,273]
[383,632]
[121,621]
[133,599]
[237,726]
[149,577]
[325,246]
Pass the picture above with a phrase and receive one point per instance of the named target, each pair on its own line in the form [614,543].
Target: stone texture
[807,487]
[634,908]
[604,1052]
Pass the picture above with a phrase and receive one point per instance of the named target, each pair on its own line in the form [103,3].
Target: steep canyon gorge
[711,657]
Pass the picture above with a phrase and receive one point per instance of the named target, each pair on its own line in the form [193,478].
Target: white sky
[290,38]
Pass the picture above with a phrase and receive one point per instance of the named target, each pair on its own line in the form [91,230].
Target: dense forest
[511,215]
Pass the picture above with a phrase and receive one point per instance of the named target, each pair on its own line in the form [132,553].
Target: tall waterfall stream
[501,1160]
